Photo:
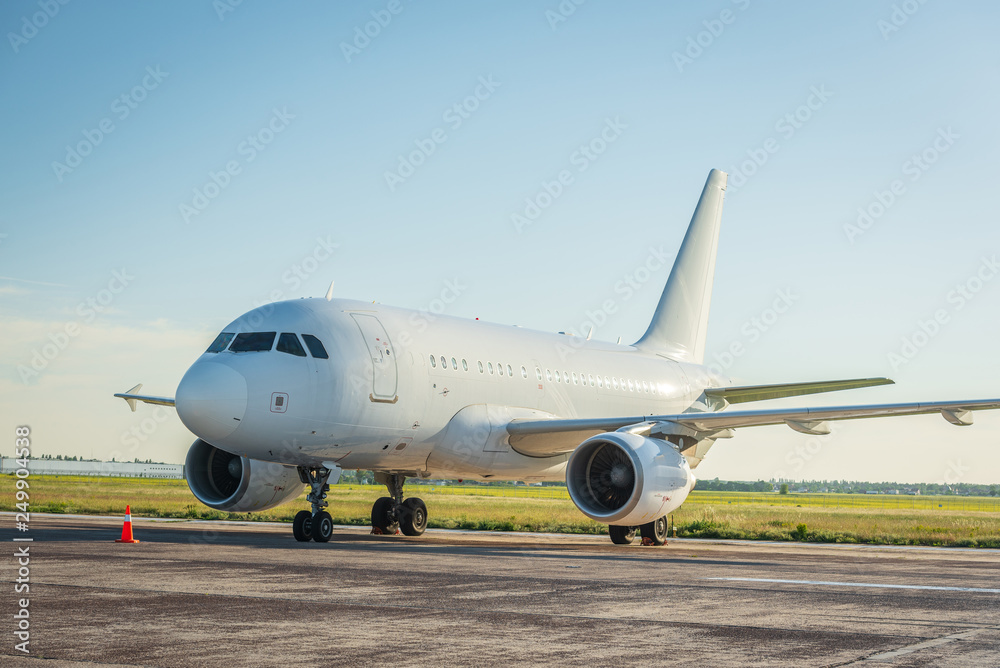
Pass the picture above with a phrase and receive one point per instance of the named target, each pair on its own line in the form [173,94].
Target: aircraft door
[385,374]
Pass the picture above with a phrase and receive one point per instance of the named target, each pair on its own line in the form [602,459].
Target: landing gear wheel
[654,533]
[413,517]
[621,535]
[383,516]
[302,526]
[322,527]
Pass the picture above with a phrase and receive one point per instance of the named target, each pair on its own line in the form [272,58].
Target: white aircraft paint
[403,395]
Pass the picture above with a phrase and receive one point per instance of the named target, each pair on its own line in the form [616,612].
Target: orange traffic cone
[127,528]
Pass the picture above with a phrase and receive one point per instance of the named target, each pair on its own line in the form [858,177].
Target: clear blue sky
[870,90]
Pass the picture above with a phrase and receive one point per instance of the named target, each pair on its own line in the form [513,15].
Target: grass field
[954,521]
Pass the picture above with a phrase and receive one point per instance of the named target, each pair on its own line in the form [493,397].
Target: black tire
[655,531]
[621,535]
[322,527]
[383,517]
[413,520]
[302,526]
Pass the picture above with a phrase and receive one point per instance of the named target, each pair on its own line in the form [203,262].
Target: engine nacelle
[626,479]
[236,484]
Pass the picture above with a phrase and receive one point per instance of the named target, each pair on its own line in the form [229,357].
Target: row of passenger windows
[255,342]
[567,377]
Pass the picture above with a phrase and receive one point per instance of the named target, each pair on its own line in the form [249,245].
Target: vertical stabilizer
[680,323]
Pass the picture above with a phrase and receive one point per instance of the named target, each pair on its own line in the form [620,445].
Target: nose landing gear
[391,513]
[316,525]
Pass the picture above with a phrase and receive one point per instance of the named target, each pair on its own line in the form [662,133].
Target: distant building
[109,469]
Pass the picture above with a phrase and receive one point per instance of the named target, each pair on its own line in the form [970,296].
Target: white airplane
[294,392]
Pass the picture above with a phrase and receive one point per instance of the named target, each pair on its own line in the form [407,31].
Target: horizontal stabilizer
[739,395]
[131,397]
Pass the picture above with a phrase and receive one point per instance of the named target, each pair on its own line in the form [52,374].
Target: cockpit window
[315,347]
[289,343]
[220,343]
[252,342]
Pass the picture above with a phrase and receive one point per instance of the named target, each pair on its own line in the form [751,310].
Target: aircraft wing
[131,397]
[547,438]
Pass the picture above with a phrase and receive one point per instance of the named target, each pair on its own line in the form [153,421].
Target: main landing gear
[653,533]
[392,513]
[316,525]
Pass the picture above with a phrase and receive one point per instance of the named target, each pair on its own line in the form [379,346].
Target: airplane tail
[680,323]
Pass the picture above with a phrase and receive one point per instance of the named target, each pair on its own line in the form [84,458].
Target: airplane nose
[211,400]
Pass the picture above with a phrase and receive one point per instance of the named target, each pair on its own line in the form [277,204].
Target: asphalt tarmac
[248,594]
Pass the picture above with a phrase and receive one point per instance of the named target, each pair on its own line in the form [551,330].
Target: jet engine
[626,479]
[236,484]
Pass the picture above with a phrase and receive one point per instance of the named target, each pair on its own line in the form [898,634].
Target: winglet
[131,400]
[680,323]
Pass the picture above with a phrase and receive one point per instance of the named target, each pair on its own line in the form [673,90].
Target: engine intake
[232,483]
[626,479]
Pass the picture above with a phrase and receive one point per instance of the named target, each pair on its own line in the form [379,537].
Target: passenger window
[565,375]
[600,383]
[538,373]
[289,343]
[645,387]
[615,381]
[315,346]
[499,369]
[253,342]
[454,364]
[433,362]
[607,382]
[444,362]
[631,386]
[574,378]
[220,343]
[590,379]
[524,372]
[465,365]
[510,372]
[489,365]
[548,375]
[480,363]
